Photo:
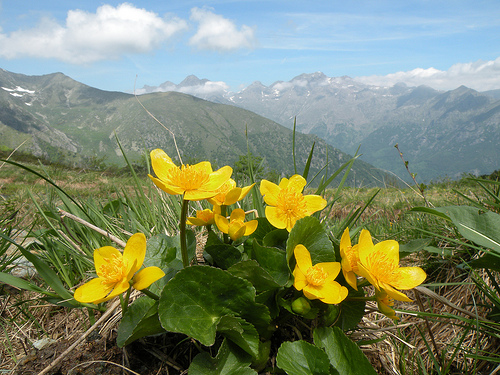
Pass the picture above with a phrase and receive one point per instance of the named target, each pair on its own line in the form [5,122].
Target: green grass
[126,202]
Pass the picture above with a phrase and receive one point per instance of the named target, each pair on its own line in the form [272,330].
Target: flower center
[291,204]
[381,266]
[113,270]
[316,276]
[188,177]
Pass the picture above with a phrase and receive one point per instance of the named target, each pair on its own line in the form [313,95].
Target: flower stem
[150,294]
[182,227]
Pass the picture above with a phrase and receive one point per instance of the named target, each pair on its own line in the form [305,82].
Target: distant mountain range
[442,134]
[63,120]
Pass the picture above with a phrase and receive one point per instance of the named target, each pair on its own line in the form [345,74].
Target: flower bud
[301,306]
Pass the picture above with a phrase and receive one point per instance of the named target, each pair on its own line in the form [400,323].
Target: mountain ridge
[346,113]
[68,121]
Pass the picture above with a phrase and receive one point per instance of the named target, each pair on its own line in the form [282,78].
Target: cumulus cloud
[480,75]
[218,33]
[88,37]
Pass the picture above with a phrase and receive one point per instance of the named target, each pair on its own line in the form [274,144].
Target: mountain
[440,133]
[66,121]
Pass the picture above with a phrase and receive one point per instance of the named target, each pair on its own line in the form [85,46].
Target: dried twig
[93,227]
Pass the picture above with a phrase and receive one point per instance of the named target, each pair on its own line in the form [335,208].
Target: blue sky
[107,44]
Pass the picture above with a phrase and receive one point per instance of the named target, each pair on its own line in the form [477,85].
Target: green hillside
[69,122]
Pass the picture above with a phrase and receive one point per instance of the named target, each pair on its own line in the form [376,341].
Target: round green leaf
[309,232]
[302,358]
[195,300]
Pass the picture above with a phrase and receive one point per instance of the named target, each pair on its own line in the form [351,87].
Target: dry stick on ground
[104,316]
[91,226]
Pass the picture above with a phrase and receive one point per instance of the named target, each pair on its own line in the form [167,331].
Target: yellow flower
[318,281]
[379,264]
[229,193]
[385,304]
[116,271]
[350,258]
[203,218]
[236,227]
[286,204]
[196,182]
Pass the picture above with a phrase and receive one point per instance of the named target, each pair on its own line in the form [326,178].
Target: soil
[99,355]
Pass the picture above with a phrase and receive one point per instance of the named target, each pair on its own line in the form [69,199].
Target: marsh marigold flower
[203,218]
[236,227]
[350,258]
[116,272]
[196,182]
[318,281]
[379,264]
[229,193]
[285,202]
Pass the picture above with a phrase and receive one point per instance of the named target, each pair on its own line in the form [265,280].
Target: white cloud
[88,37]
[206,88]
[480,75]
[218,33]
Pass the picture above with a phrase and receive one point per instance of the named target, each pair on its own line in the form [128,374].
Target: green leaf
[223,255]
[241,333]
[253,272]
[164,251]
[302,358]
[351,311]
[45,272]
[309,232]
[229,361]
[197,297]
[488,261]
[273,260]
[263,228]
[140,319]
[482,228]
[413,246]
[7,278]
[344,355]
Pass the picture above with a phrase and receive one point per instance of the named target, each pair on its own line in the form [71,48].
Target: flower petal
[333,293]
[198,195]
[238,214]
[270,192]
[394,294]
[314,203]
[272,215]
[303,258]
[236,230]
[365,245]
[331,268]
[92,291]
[351,278]
[408,277]
[119,288]
[251,227]
[217,178]
[134,253]
[162,164]
[296,183]
[147,276]
[391,249]
[300,280]
[221,223]
[169,189]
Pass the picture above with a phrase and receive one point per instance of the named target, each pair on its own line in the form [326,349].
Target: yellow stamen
[187,177]
[316,276]
[291,204]
[381,266]
[114,270]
